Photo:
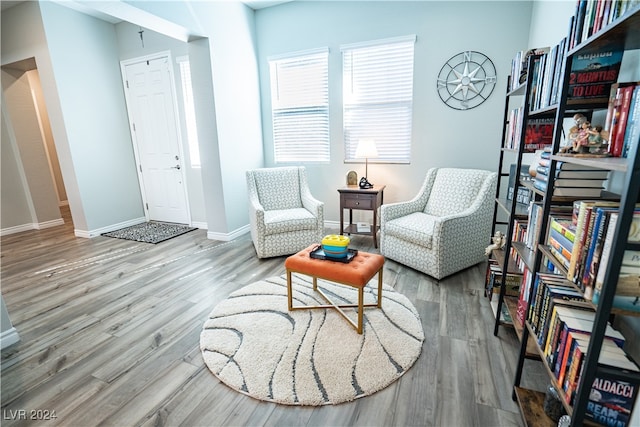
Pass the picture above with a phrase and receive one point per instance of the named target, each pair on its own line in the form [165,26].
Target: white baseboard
[49,224]
[31,226]
[98,231]
[9,337]
[226,237]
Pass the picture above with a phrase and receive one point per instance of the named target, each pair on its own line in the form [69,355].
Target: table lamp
[366,148]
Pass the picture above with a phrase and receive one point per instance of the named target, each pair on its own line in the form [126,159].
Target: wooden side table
[353,197]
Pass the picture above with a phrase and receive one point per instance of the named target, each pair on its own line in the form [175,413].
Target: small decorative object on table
[335,245]
[352,178]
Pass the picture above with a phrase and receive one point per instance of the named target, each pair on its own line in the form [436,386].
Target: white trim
[49,224]
[17,229]
[98,231]
[297,53]
[31,226]
[9,337]
[200,225]
[399,39]
[226,237]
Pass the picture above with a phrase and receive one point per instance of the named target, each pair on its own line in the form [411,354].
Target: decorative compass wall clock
[466,80]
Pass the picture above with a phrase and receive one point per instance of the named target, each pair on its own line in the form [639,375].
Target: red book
[619,120]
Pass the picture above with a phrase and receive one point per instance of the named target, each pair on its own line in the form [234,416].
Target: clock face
[466,80]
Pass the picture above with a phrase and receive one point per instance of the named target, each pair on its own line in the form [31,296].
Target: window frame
[299,109]
[365,52]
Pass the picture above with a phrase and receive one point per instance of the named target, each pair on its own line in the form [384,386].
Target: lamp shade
[366,149]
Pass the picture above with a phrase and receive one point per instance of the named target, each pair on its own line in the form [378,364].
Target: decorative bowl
[335,245]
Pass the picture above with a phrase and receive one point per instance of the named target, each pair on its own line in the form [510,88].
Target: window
[189,111]
[300,106]
[378,97]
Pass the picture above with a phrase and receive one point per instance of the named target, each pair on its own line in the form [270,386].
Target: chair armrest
[392,211]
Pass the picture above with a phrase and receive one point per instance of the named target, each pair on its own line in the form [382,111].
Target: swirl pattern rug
[253,344]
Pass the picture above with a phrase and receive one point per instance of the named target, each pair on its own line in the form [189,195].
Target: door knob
[176,167]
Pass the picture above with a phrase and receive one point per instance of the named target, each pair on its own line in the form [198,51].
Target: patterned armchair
[446,227]
[284,216]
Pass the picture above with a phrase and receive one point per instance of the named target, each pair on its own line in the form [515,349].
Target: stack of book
[561,238]
[494,280]
[627,295]
[591,16]
[622,124]
[519,66]
[562,321]
[571,180]
[524,194]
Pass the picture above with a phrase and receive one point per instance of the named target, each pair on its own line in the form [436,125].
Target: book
[524,194]
[592,259]
[592,75]
[363,227]
[628,286]
[538,134]
[569,191]
[564,173]
[582,219]
[632,135]
[611,401]
[619,120]
[588,183]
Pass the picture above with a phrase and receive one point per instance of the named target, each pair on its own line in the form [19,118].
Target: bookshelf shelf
[530,403]
[541,292]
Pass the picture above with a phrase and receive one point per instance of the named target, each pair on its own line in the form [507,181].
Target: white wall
[442,137]
[22,117]
[15,208]
[85,66]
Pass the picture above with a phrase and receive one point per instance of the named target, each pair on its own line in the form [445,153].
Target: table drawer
[358,202]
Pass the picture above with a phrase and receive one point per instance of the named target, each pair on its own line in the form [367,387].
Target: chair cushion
[454,190]
[415,228]
[278,188]
[285,220]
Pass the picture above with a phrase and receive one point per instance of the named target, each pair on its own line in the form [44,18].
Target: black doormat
[150,232]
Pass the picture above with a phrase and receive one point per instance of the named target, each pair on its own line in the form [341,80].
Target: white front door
[153,118]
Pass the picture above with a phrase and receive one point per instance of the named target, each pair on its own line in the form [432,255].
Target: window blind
[378,97]
[189,111]
[300,106]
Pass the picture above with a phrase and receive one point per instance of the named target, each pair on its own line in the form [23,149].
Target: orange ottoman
[356,273]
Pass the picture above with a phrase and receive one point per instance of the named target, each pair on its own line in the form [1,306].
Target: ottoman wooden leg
[289,290]
[380,287]
[360,308]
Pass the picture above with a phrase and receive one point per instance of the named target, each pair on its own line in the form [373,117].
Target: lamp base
[364,183]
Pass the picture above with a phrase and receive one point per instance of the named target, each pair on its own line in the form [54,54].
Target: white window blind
[300,106]
[378,97]
[189,111]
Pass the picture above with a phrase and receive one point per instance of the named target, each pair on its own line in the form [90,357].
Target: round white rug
[253,344]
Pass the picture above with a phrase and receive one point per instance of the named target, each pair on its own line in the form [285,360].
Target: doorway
[151,104]
[38,175]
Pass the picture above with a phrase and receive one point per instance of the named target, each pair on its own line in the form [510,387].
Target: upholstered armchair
[445,227]
[285,218]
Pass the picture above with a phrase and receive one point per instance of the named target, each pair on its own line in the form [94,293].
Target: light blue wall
[442,137]
[84,56]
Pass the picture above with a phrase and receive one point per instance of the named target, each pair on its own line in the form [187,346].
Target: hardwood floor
[110,336]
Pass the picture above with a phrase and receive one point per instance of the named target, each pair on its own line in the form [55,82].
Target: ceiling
[253,4]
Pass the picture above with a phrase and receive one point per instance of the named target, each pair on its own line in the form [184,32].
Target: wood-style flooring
[110,336]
